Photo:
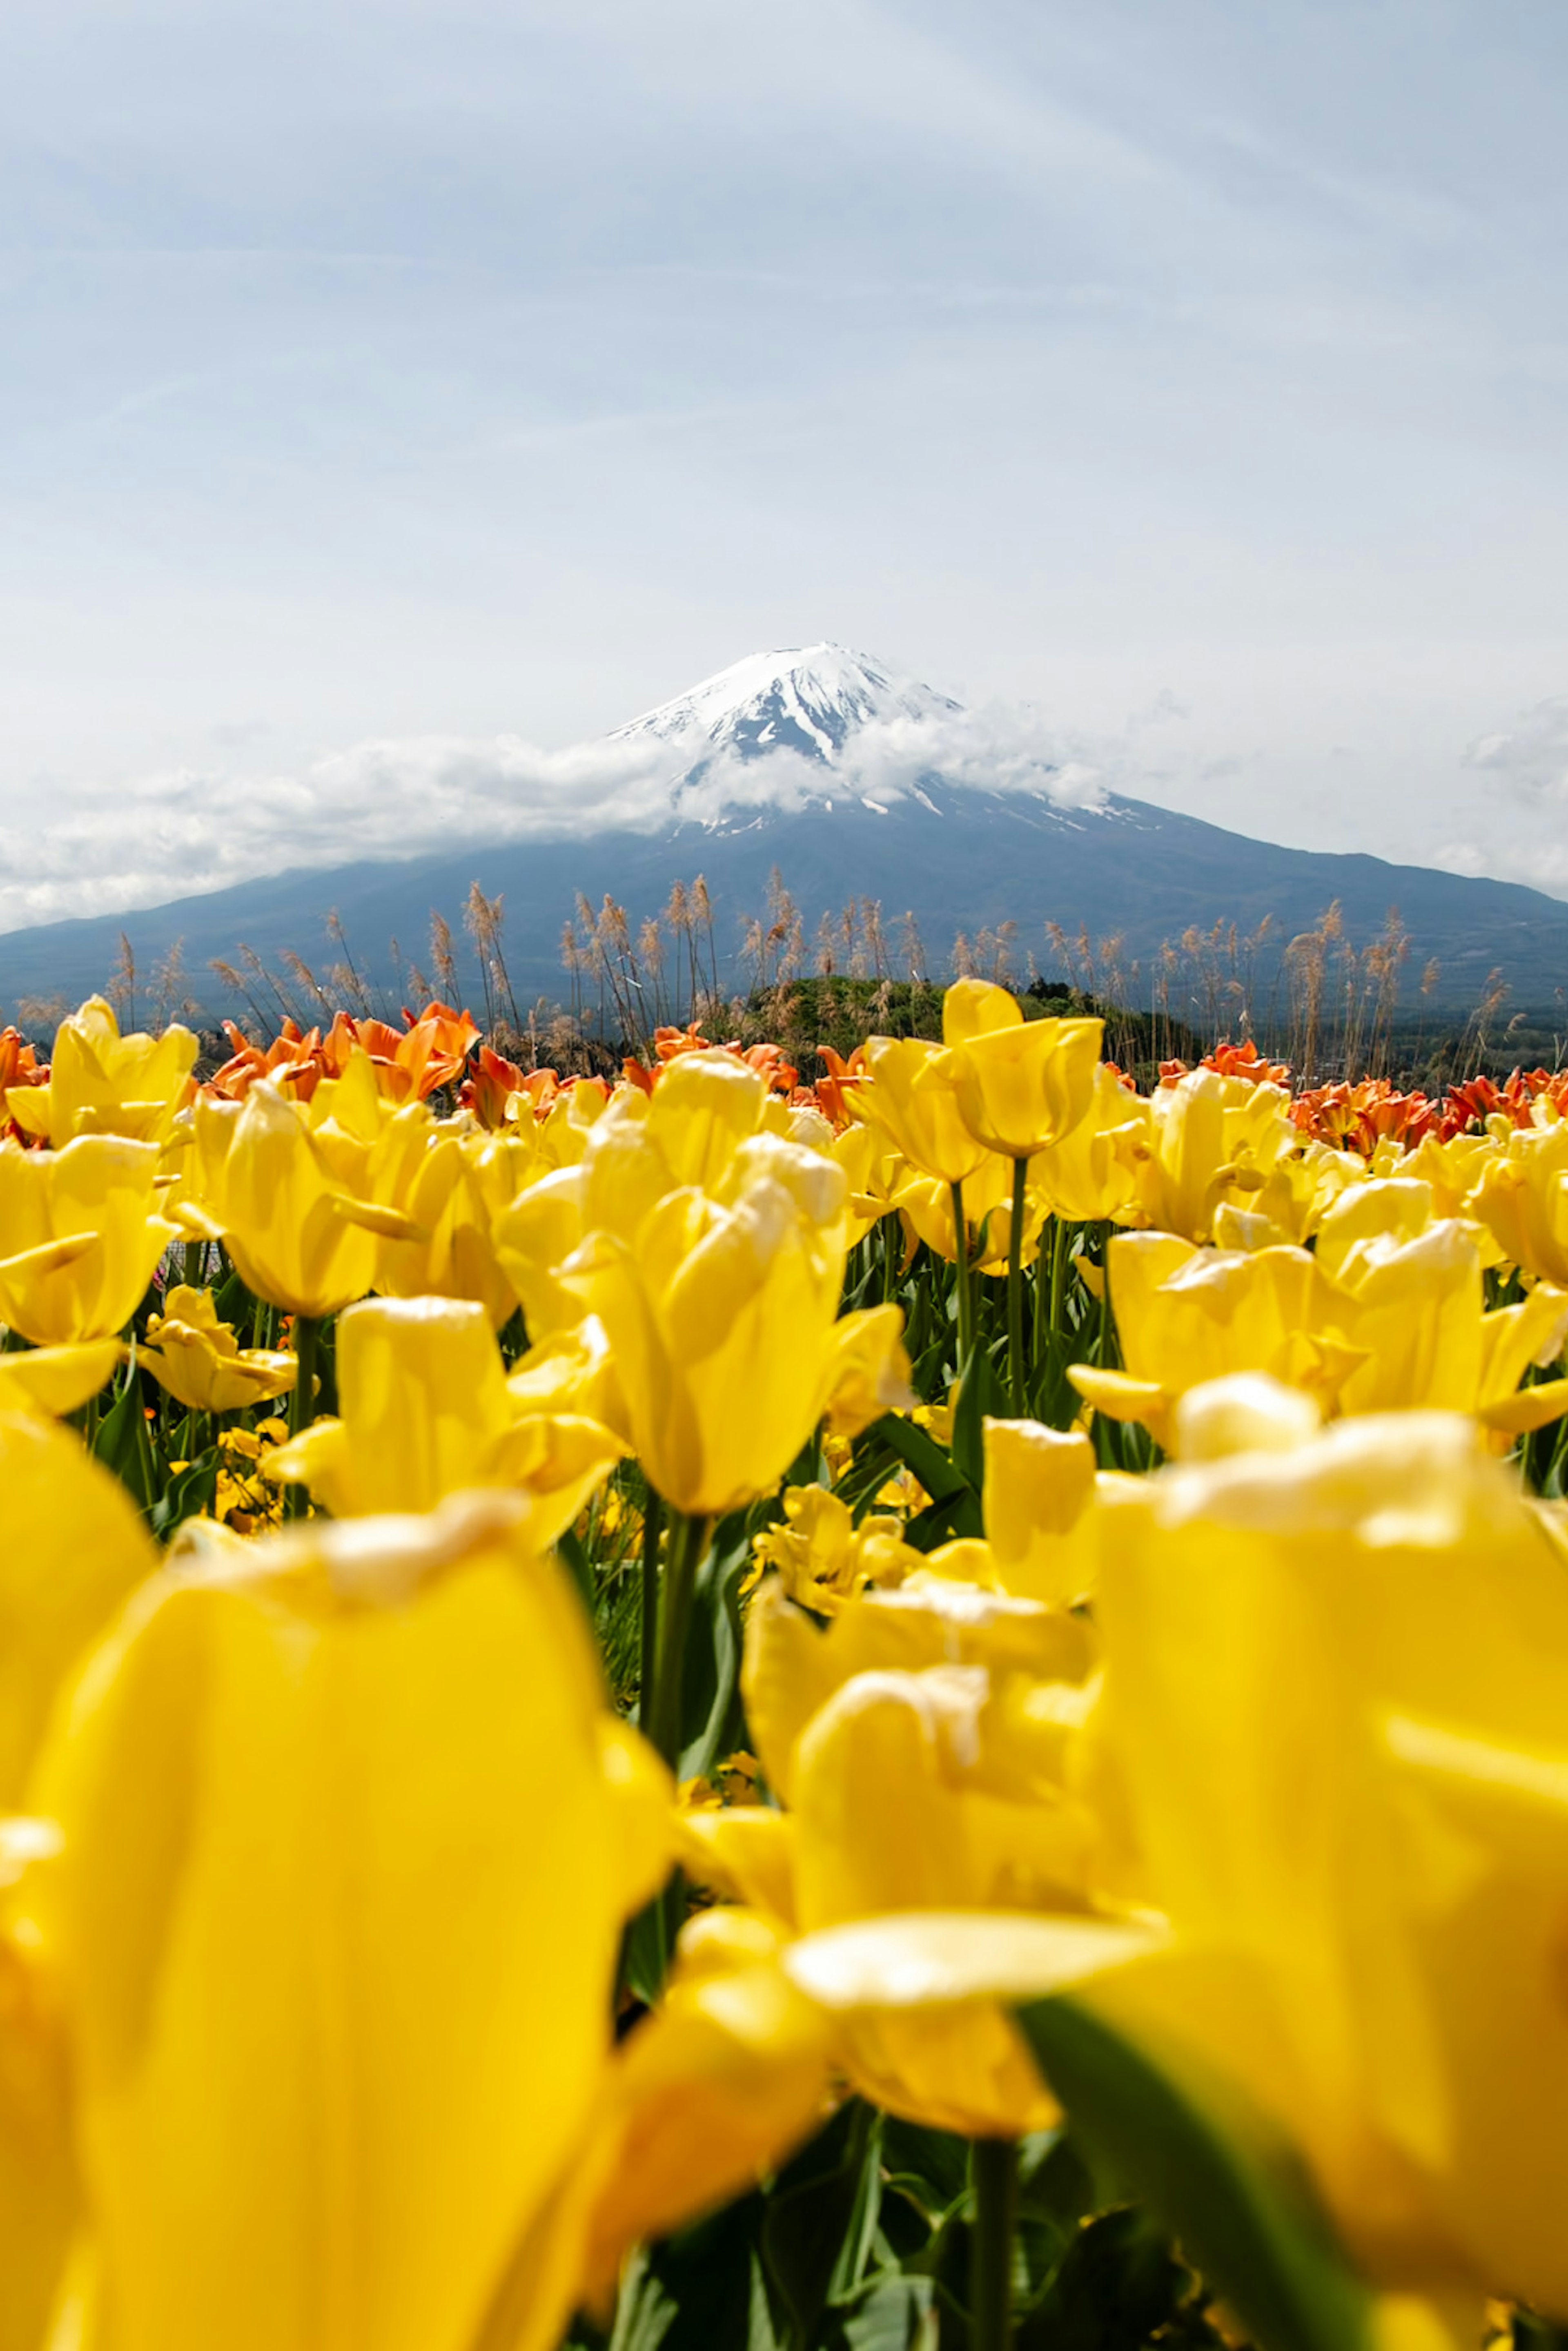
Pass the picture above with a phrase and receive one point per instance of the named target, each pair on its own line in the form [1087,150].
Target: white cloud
[196,830]
[1541,865]
[1529,758]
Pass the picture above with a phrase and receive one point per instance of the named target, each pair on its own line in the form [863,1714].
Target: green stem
[653,1533]
[688,1541]
[965,1291]
[1017,1376]
[302,1402]
[1102,1311]
[1058,1275]
[994,2171]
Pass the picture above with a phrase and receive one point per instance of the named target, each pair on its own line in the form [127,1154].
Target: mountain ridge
[849,780]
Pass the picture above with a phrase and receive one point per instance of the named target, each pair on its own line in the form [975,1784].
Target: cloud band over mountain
[197,830]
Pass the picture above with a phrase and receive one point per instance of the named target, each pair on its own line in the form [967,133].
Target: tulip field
[915,1707]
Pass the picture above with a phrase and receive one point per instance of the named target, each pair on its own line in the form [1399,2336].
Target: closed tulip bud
[83,1236]
[1020,1085]
[103,1084]
[201,1361]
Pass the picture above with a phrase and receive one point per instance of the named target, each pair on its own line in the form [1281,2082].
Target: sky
[388,385]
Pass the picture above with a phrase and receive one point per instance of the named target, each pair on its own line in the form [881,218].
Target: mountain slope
[840,774]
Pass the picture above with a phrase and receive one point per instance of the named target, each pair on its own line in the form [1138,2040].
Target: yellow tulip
[202,1364]
[347,1842]
[1427,1344]
[1521,1196]
[1020,1085]
[1388,1315]
[290,1198]
[926,1207]
[39,2191]
[714,2089]
[1451,1170]
[1334,1703]
[82,1237]
[71,1548]
[1212,1139]
[426,1411]
[451,1185]
[923,1744]
[823,1558]
[872,1168]
[913,1108]
[100,1083]
[1040,1506]
[55,1381]
[791,1667]
[706,1107]
[1293,1199]
[1184,1315]
[1092,1172]
[721,1312]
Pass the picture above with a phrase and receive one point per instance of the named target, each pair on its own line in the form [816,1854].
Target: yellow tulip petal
[71,1548]
[56,1380]
[1530,1409]
[710,2092]
[932,1958]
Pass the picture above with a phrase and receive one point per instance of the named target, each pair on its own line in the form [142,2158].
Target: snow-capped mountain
[810,699]
[821,727]
[850,780]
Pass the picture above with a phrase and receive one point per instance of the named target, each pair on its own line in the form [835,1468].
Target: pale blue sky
[1195,373]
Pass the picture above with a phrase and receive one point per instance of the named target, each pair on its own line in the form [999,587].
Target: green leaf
[979,1393]
[939,1523]
[1117,2285]
[920,1452]
[232,1302]
[821,2219]
[576,1561]
[710,1724]
[932,2165]
[121,1443]
[186,1495]
[893,2315]
[1236,2197]
[701,2290]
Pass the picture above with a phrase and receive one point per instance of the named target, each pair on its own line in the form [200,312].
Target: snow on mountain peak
[824,727]
[809,699]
